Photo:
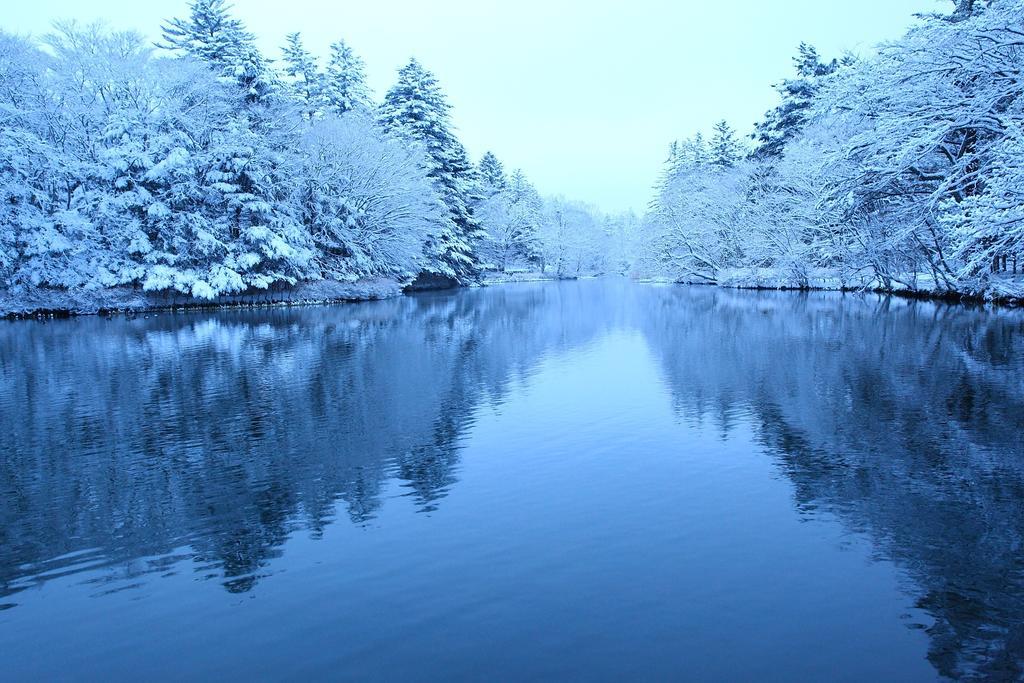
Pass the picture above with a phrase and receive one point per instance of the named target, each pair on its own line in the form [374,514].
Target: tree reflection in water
[131,445]
[905,419]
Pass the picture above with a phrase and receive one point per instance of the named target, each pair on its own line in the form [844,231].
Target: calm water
[596,480]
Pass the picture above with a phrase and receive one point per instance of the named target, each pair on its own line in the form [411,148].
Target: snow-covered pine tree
[965,9]
[511,215]
[693,153]
[669,170]
[785,121]
[492,174]
[246,164]
[725,150]
[209,33]
[212,36]
[684,158]
[416,109]
[344,82]
[305,82]
[526,206]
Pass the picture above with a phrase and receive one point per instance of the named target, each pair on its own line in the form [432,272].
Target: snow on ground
[498,278]
[1005,288]
[86,302]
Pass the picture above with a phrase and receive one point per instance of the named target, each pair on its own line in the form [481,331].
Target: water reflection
[227,432]
[905,419]
[132,445]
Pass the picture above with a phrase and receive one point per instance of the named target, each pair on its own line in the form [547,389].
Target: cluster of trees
[553,235]
[200,166]
[900,170]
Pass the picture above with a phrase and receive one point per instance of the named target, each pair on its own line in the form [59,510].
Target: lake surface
[594,480]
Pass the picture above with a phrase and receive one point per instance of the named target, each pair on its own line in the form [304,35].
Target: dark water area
[593,480]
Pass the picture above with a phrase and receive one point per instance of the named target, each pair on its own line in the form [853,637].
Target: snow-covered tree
[929,117]
[211,35]
[365,200]
[415,109]
[573,240]
[344,82]
[786,120]
[511,215]
[305,83]
[193,170]
[684,157]
[986,228]
[224,219]
[492,174]
[32,184]
[724,149]
[693,152]
[697,223]
[624,231]
[146,171]
[898,170]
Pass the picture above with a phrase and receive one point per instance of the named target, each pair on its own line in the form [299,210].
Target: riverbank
[65,303]
[499,278]
[61,303]
[1003,290]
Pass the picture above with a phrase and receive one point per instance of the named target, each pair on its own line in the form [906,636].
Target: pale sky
[583,95]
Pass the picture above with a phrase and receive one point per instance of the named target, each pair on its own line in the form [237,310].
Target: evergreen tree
[209,34]
[526,207]
[212,36]
[240,174]
[808,63]
[670,168]
[345,86]
[492,174]
[673,156]
[684,159]
[512,217]
[692,153]
[965,9]
[306,82]
[255,77]
[416,109]
[725,150]
[786,120]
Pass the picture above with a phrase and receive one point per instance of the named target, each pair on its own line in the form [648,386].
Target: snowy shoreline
[922,286]
[51,303]
[63,303]
[66,303]
[497,278]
